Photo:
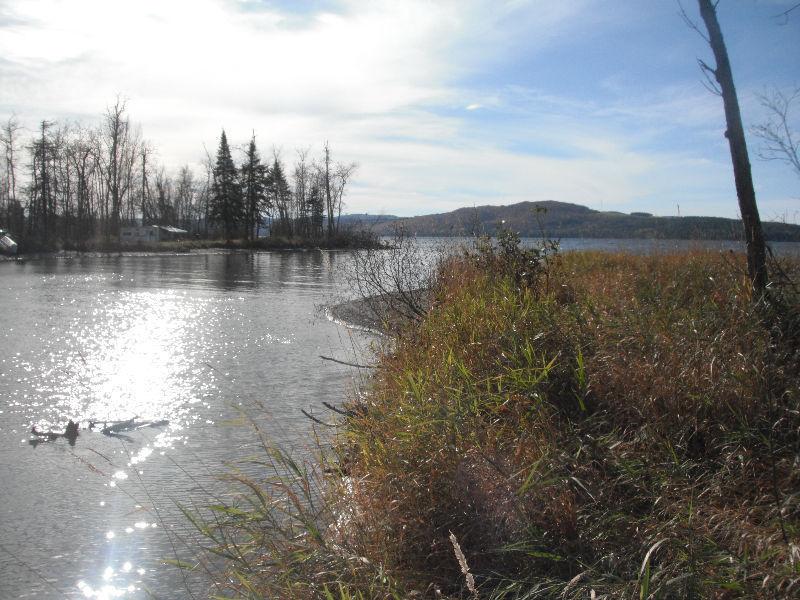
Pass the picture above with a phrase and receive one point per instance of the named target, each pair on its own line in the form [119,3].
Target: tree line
[69,184]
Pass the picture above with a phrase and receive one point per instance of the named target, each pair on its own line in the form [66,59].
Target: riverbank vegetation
[586,425]
[72,186]
[346,238]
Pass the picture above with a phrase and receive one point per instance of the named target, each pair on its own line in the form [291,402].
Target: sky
[442,104]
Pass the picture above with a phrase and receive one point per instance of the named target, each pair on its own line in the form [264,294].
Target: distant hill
[365,219]
[563,220]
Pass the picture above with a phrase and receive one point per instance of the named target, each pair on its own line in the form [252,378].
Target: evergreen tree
[280,196]
[316,207]
[254,189]
[227,207]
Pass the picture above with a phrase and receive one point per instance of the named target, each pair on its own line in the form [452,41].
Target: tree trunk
[328,201]
[754,235]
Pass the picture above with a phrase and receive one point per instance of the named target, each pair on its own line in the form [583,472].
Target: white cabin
[7,245]
[150,233]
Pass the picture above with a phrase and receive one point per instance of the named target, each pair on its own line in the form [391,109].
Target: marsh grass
[584,425]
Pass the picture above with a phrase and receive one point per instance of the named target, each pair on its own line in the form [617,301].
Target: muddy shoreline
[381,314]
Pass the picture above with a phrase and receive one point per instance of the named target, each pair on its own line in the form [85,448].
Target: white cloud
[382,80]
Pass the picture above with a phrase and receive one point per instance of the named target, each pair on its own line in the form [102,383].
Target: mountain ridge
[550,218]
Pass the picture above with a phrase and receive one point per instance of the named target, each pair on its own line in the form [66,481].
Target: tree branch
[783,17]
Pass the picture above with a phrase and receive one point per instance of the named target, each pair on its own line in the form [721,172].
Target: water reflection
[152,357]
[235,271]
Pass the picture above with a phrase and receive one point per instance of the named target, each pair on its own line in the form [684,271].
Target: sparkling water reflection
[159,359]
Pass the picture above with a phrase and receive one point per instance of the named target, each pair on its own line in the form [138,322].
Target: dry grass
[622,426]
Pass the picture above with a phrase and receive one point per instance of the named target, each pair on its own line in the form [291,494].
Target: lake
[203,342]
[197,348]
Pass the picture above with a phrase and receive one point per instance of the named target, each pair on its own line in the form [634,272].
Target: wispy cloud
[441,104]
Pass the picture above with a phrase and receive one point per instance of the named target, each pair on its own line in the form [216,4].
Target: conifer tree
[316,202]
[227,207]
[280,195]
[254,189]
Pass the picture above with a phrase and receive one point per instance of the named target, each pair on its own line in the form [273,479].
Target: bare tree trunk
[8,137]
[328,199]
[754,235]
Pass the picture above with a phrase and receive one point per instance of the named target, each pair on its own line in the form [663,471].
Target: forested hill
[562,220]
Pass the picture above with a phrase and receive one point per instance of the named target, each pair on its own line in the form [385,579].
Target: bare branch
[690,23]
[342,362]
[783,17]
[709,83]
[780,140]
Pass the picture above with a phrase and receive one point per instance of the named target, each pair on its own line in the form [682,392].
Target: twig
[785,14]
[316,420]
[344,413]
[349,364]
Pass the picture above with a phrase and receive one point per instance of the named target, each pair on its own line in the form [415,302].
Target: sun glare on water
[138,357]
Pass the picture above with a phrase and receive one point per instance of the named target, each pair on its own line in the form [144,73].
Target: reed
[584,425]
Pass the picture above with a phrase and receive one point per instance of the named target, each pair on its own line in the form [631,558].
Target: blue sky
[442,104]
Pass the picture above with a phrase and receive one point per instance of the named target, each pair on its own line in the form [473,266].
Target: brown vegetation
[591,425]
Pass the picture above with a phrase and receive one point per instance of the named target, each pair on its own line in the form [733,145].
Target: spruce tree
[281,196]
[227,207]
[254,188]
[316,207]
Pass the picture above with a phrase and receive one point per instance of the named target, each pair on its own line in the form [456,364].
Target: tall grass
[588,425]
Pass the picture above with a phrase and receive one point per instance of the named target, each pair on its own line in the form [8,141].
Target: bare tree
[342,178]
[8,138]
[206,190]
[185,196]
[120,143]
[396,283]
[326,178]
[335,178]
[301,195]
[84,167]
[723,76]
[146,209]
[780,141]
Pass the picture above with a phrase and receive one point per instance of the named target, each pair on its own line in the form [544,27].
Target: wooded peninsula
[79,187]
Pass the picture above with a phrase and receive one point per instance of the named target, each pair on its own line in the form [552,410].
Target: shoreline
[356,314]
[212,250]
[378,314]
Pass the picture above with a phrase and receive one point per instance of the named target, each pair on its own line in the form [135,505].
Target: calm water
[196,346]
[203,342]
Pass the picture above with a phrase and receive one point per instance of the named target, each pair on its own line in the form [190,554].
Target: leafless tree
[781,141]
[342,177]
[165,210]
[84,168]
[204,196]
[143,192]
[9,140]
[395,283]
[119,145]
[720,80]
[302,188]
[185,194]
[335,177]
